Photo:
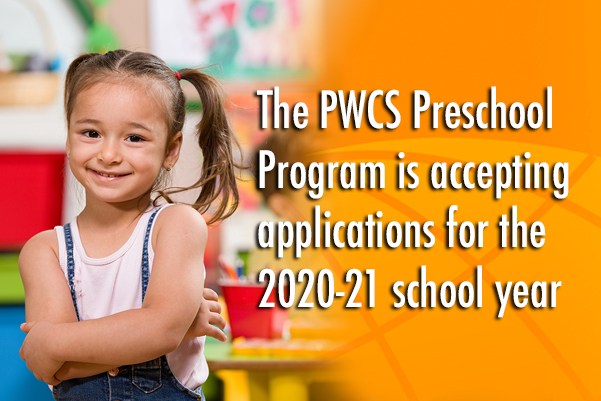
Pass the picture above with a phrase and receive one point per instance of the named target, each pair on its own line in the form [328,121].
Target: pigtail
[217,143]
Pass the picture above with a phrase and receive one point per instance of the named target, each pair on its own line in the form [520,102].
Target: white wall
[20,32]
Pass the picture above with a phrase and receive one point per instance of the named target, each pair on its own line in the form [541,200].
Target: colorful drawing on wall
[248,39]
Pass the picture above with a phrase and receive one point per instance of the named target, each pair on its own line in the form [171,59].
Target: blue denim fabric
[152,380]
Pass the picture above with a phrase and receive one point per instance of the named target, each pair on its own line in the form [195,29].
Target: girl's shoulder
[179,220]
[41,247]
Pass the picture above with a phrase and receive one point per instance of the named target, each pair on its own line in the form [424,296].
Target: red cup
[246,318]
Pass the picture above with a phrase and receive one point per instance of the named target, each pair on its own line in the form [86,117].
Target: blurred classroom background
[250,45]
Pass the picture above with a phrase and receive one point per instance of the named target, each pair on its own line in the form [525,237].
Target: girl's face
[117,141]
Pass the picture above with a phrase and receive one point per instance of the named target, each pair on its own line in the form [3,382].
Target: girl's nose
[110,153]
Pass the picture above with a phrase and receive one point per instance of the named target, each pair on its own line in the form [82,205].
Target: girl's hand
[36,352]
[208,316]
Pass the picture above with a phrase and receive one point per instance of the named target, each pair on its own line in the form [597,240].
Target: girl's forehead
[122,101]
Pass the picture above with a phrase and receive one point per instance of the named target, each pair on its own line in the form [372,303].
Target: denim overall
[152,380]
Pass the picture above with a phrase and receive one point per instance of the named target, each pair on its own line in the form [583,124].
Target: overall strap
[145,273]
[70,265]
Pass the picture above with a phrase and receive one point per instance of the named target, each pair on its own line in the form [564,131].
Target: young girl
[114,300]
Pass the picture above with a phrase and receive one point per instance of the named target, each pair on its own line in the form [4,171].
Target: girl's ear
[173,149]
[68,146]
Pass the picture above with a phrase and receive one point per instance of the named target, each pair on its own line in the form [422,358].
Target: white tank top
[113,284]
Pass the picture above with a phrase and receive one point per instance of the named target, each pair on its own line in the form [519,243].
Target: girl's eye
[91,134]
[135,138]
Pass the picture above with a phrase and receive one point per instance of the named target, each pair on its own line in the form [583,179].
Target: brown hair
[215,137]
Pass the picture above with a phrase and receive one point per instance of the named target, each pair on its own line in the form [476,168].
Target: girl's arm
[207,319]
[206,322]
[171,304]
[47,296]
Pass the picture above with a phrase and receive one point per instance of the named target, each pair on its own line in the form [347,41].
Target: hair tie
[179,77]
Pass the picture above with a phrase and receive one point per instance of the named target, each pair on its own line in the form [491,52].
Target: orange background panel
[456,51]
